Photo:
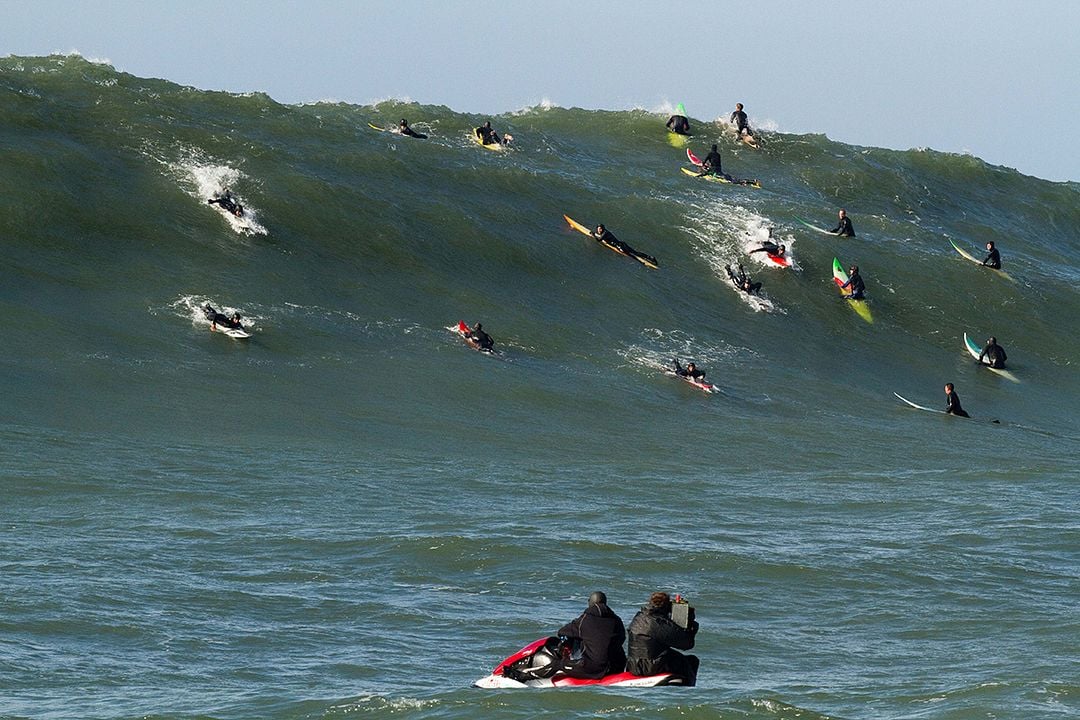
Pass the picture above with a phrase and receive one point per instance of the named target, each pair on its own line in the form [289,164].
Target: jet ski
[531,667]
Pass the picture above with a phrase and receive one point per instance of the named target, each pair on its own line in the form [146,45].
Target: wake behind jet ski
[529,666]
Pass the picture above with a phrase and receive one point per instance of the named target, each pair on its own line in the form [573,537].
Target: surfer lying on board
[743,281]
[217,318]
[952,402]
[404,129]
[607,237]
[738,119]
[711,163]
[994,354]
[771,248]
[855,282]
[993,257]
[844,227]
[679,124]
[690,371]
[487,135]
[481,338]
[228,201]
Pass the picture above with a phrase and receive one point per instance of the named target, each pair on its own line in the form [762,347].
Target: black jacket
[602,635]
[993,259]
[712,162]
[995,354]
[952,405]
[844,228]
[653,635]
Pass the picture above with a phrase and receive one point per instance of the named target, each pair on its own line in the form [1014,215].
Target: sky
[999,80]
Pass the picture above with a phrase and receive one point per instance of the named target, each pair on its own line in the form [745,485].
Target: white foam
[191,307]
[204,178]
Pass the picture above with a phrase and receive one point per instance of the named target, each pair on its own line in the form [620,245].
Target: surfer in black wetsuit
[607,237]
[711,163]
[404,129]
[738,119]
[952,402]
[679,124]
[487,135]
[482,339]
[690,371]
[771,248]
[844,227]
[228,202]
[217,318]
[993,257]
[855,282]
[743,281]
[994,354]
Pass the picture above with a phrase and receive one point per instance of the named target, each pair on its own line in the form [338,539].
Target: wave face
[293,524]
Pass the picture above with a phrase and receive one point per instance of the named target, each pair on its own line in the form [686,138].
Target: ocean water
[351,514]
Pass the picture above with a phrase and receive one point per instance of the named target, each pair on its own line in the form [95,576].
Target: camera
[682,613]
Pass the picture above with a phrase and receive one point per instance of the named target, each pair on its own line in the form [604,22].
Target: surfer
[770,248]
[654,637]
[738,119]
[691,371]
[216,318]
[679,124]
[711,163]
[487,135]
[482,339]
[952,402]
[404,129]
[855,282]
[843,227]
[607,237]
[602,635]
[743,281]
[993,257]
[227,201]
[994,354]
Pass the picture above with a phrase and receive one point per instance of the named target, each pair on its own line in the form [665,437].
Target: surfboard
[722,179]
[814,227]
[694,159]
[231,332]
[585,231]
[859,306]
[376,127]
[968,256]
[676,140]
[700,384]
[975,351]
[919,407]
[463,330]
[489,146]
[749,141]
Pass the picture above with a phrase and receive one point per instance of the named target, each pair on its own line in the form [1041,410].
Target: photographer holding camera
[654,635]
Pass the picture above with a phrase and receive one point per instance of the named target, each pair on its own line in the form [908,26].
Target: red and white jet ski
[526,668]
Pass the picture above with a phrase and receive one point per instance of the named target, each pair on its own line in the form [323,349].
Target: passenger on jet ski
[654,637]
[216,318]
[602,636]
[228,202]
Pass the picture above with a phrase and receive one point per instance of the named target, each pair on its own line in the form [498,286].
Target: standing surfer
[738,119]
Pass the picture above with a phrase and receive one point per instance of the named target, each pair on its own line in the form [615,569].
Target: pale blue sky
[992,78]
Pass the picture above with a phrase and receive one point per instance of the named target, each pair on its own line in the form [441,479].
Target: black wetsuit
[482,339]
[995,354]
[993,259]
[952,405]
[679,124]
[487,135]
[609,238]
[844,228]
[653,639]
[228,202]
[406,130]
[217,318]
[738,118]
[711,163]
[767,247]
[858,287]
[742,281]
[695,374]
[602,636]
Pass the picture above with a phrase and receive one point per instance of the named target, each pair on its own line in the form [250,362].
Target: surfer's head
[992,340]
[738,106]
[948,388]
[843,212]
[990,245]
[714,146]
